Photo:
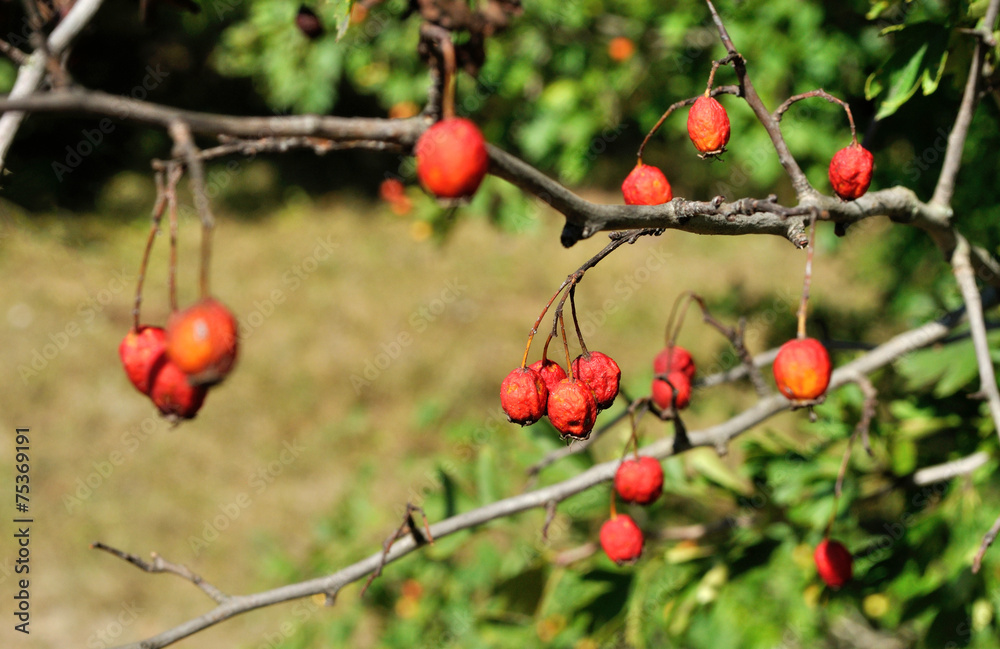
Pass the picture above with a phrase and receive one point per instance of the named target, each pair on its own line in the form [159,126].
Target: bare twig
[987,542]
[715,436]
[948,470]
[407,526]
[959,131]
[159,564]
[962,268]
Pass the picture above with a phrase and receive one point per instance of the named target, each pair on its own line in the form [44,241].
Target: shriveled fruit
[523,396]
[639,480]
[173,395]
[621,539]
[142,353]
[802,369]
[551,372]
[202,341]
[646,185]
[833,563]
[851,171]
[674,359]
[663,391]
[601,374]
[708,126]
[572,408]
[452,158]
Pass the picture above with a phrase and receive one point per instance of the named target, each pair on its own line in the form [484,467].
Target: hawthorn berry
[172,393]
[202,341]
[523,396]
[833,563]
[664,391]
[708,126]
[572,408]
[550,371]
[142,352]
[851,171]
[639,480]
[674,358]
[620,48]
[601,374]
[621,539]
[646,185]
[452,158]
[802,369]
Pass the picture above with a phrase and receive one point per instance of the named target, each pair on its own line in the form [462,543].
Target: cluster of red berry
[572,402]
[708,127]
[176,366]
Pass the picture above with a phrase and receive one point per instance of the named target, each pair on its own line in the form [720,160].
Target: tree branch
[716,436]
[970,97]
[30,75]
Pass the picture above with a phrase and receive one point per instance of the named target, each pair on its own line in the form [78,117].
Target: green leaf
[917,63]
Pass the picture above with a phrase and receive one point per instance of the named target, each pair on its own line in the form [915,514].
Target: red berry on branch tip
[833,563]
[142,353]
[639,480]
[601,374]
[202,341]
[523,396]
[851,171]
[572,408]
[452,158]
[646,185]
[551,372]
[802,369]
[708,126]
[621,539]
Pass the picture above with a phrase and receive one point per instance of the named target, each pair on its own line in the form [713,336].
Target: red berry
[572,409]
[142,354]
[621,539]
[708,126]
[452,158]
[851,171]
[202,341]
[802,369]
[646,185]
[601,374]
[621,48]
[833,562]
[175,397]
[674,359]
[551,372]
[639,480]
[523,396]
[663,392]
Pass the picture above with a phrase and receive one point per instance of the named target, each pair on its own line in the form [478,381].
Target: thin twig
[987,542]
[948,470]
[959,131]
[159,564]
[965,277]
[420,538]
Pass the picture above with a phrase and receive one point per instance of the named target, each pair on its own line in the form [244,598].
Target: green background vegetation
[428,427]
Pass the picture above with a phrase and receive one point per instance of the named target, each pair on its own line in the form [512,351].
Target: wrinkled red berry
[601,374]
[551,372]
[833,563]
[663,392]
[202,341]
[452,158]
[708,126]
[173,395]
[639,480]
[674,359]
[851,171]
[646,185]
[523,396]
[143,353]
[621,539]
[572,408]
[802,369]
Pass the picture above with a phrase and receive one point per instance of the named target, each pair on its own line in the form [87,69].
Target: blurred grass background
[105,467]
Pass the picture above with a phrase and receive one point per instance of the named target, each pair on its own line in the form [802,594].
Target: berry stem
[172,268]
[562,323]
[804,303]
[158,208]
[576,322]
[538,322]
[715,66]
[676,319]
[614,512]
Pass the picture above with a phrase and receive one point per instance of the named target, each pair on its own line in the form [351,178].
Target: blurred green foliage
[551,93]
